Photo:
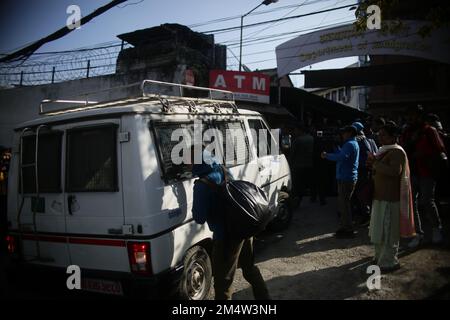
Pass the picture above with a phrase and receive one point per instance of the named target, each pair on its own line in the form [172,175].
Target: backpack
[245,205]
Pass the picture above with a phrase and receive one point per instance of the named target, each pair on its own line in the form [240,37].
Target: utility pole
[265,2]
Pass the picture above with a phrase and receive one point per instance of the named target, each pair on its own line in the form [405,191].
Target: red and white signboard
[246,86]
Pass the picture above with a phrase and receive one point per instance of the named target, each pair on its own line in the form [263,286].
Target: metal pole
[21,77]
[242,30]
[240,44]
[53,75]
[88,66]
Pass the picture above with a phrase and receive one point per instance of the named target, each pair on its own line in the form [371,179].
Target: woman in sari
[392,213]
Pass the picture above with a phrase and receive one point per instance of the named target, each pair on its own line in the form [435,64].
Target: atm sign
[246,86]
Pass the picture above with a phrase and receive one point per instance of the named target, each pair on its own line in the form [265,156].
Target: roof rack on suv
[167,93]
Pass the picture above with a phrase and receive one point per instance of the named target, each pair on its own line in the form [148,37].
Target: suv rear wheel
[196,280]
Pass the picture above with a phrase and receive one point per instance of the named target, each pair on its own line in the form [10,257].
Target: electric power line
[276,20]
[286,35]
[129,4]
[73,62]
[119,43]
[275,23]
[236,17]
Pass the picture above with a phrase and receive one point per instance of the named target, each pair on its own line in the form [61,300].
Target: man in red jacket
[425,149]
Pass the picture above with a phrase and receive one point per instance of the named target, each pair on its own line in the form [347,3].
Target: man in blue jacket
[228,253]
[347,159]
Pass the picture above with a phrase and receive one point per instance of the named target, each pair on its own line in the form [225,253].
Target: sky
[23,22]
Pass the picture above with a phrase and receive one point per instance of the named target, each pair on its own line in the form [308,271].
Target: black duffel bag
[247,211]
[245,205]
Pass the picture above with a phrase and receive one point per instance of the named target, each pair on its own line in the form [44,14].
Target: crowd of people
[386,178]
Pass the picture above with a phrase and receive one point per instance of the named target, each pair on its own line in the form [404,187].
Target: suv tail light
[139,255]
[11,244]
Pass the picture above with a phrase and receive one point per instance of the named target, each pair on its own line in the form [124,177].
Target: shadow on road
[335,283]
[312,230]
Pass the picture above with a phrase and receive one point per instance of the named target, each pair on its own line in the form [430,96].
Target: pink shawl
[407,228]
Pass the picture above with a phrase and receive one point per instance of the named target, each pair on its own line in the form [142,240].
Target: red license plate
[102,286]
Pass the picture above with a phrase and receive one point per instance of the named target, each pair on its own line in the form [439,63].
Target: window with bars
[91,159]
[48,163]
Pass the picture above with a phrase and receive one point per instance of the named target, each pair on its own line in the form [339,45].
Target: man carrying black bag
[229,251]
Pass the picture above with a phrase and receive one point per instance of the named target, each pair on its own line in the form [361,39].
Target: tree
[435,12]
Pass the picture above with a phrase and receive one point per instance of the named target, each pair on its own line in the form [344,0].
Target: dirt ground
[307,262]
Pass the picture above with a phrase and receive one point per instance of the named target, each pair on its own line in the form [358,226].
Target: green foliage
[436,16]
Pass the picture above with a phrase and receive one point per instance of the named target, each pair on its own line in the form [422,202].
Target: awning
[295,100]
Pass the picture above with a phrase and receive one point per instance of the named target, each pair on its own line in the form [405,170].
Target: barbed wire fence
[53,67]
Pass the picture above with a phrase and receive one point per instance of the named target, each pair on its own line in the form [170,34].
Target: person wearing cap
[347,159]
[362,197]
